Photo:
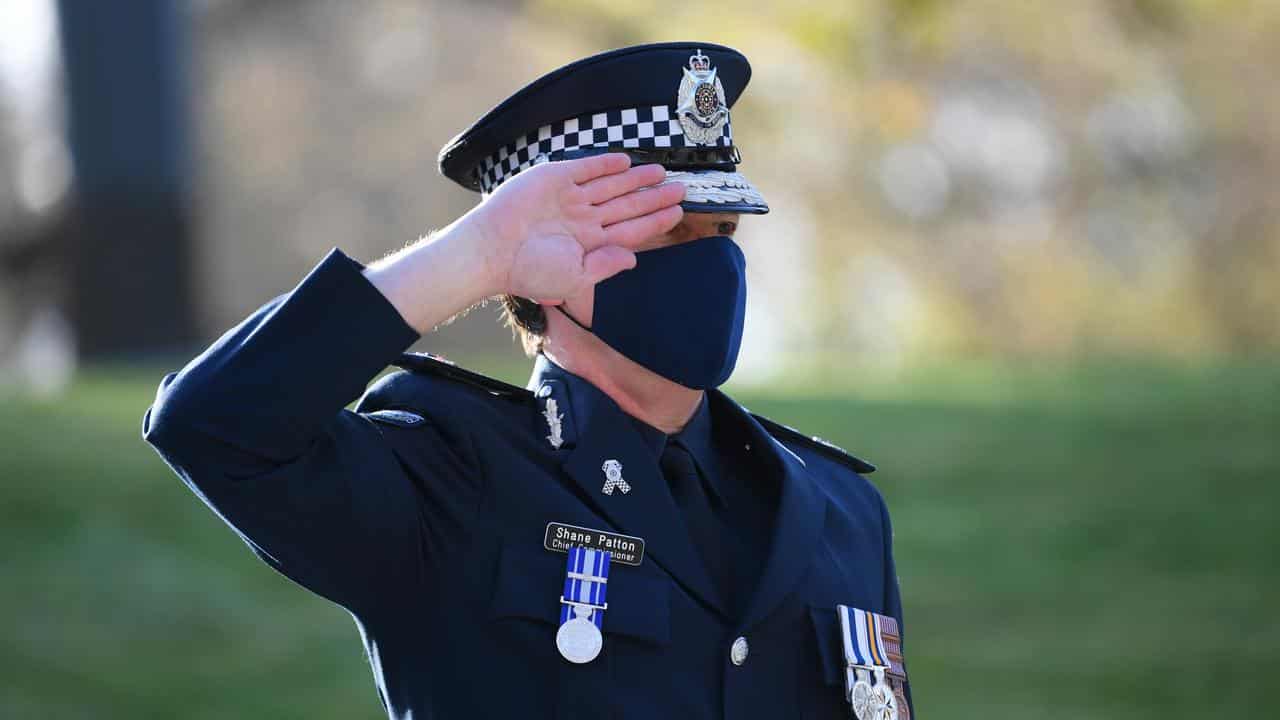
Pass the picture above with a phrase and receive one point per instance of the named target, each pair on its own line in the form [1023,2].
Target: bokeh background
[1023,255]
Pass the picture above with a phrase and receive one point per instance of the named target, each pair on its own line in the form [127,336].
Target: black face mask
[679,312]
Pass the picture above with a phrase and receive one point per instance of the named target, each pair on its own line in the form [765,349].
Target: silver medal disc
[860,698]
[579,640]
[883,704]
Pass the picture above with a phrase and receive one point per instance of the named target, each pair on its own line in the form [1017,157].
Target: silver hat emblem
[613,478]
[700,104]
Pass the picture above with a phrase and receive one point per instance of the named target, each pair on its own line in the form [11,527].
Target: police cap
[664,103]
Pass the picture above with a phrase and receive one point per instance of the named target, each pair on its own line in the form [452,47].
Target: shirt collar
[696,434]
[696,437]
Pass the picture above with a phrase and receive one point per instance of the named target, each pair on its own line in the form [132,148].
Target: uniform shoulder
[799,441]
[436,366]
[430,384]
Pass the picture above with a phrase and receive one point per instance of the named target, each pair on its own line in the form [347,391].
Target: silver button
[738,653]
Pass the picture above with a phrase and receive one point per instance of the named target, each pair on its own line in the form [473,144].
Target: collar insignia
[553,423]
[700,104]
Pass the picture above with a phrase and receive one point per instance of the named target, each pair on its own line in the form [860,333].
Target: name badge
[624,549]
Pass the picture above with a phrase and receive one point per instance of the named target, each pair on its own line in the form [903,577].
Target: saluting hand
[559,228]
[546,234]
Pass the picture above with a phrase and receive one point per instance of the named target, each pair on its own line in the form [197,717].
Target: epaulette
[781,431]
[436,365]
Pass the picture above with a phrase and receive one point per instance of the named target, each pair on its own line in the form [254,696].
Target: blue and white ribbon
[586,584]
[863,642]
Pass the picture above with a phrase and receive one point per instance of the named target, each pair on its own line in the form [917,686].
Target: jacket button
[738,652]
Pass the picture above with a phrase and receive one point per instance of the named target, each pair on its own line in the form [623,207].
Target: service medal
[873,702]
[583,603]
[885,705]
[579,640]
[860,698]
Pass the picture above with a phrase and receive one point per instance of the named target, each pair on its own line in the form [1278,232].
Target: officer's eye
[726,227]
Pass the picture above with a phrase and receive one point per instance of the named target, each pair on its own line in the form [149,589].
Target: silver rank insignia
[613,478]
[553,416]
[700,104]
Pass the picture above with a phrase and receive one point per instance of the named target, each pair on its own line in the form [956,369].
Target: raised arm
[550,232]
[255,425]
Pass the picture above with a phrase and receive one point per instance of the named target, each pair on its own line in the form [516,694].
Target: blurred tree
[129,248]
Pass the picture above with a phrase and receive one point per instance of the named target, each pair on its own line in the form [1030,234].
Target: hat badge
[700,104]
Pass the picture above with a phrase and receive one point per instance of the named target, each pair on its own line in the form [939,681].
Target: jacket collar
[594,429]
[801,514]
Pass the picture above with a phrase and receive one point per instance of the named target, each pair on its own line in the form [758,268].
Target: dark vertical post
[130,245]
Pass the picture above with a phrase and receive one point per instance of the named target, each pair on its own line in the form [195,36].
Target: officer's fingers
[606,188]
[605,262]
[641,202]
[589,168]
[634,232]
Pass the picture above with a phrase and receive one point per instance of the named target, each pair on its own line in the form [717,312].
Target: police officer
[617,540]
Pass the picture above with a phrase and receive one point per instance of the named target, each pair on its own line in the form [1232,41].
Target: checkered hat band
[645,127]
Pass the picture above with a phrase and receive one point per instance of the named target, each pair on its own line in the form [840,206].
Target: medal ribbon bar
[585,584]
[863,643]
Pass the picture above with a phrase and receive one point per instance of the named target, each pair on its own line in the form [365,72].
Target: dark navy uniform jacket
[422,513]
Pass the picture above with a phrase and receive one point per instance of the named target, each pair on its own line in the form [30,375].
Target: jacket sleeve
[256,427]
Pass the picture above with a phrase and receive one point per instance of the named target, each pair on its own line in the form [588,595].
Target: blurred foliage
[998,177]
[948,179]
[1090,541]
[974,178]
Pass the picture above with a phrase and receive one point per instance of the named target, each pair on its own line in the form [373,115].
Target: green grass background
[1084,542]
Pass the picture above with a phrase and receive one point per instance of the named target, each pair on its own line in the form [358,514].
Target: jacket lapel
[647,509]
[799,524]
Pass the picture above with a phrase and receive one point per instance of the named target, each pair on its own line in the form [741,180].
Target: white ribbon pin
[613,478]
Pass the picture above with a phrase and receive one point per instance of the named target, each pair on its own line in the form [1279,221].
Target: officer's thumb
[607,261]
